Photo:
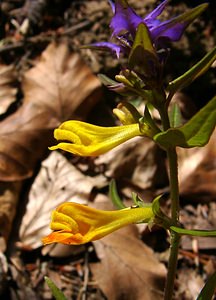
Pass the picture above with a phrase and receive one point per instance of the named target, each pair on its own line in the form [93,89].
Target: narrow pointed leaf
[196,71]
[113,193]
[54,289]
[106,80]
[209,288]
[195,133]
[195,232]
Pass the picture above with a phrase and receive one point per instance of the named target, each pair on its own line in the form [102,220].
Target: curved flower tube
[85,139]
[76,224]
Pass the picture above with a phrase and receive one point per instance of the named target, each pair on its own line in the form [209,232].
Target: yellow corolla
[85,139]
[75,224]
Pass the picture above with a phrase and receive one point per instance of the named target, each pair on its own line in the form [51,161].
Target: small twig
[11,47]
[202,259]
[86,275]
[76,27]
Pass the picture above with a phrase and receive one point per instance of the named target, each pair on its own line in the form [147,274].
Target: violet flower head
[125,22]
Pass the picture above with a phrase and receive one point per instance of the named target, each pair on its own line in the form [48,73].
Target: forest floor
[45,79]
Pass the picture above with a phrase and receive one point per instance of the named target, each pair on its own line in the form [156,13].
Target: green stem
[174,195]
[164,116]
[174,186]
[172,265]
[175,237]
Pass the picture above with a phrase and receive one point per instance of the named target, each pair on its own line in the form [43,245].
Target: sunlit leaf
[58,87]
[58,181]
[7,87]
[195,133]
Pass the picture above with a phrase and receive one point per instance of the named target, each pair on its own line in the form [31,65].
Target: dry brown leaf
[58,181]
[128,269]
[58,87]
[138,160]
[9,195]
[190,284]
[197,172]
[62,83]
[4,273]
[7,89]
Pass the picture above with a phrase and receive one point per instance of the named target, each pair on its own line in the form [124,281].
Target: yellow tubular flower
[76,224]
[85,139]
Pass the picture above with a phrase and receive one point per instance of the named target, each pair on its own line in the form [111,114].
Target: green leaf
[196,71]
[209,288]
[195,232]
[195,133]
[113,194]
[56,292]
[190,15]
[175,116]
[143,54]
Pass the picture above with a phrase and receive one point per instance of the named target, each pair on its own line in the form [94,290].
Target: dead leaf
[3,274]
[9,195]
[190,284]
[200,217]
[58,181]
[60,83]
[128,269]
[7,89]
[197,172]
[58,87]
[138,160]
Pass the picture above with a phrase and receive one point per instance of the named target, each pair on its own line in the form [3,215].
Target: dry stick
[86,276]
[41,37]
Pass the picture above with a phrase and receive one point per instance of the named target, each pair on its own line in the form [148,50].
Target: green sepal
[194,232]
[56,292]
[208,290]
[147,125]
[159,217]
[113,194]
[195,133]
[143,54]
[148,119]
[138,202]
[196,71]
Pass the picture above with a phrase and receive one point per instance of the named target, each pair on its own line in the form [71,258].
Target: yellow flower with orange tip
[75,224]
